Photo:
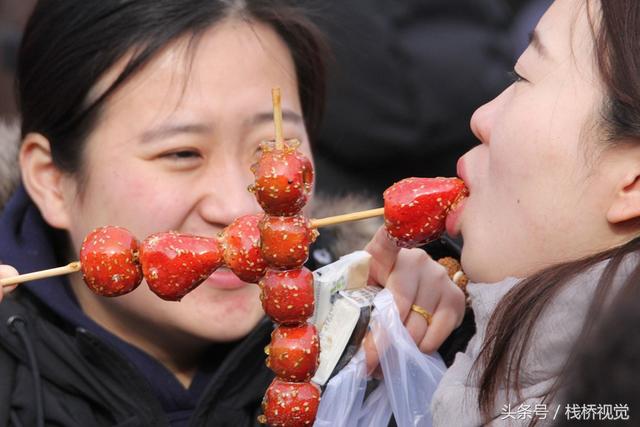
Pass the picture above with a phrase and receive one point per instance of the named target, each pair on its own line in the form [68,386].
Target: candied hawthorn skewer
[283,175]
[290,404]
[173,264]
[109,259]
[283,180]
[287,296]
[395,210]
[108,262]
[114,263]
[415,209]
[293,352]
[241,248]
[285,240]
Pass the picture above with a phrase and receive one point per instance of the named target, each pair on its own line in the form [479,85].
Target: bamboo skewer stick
[277,117]
[58,271]
[354,216]
[76,266]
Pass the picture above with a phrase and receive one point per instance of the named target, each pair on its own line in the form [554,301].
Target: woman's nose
[226,197]
[482,120]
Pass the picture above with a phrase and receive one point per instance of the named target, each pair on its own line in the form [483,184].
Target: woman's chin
[223,314]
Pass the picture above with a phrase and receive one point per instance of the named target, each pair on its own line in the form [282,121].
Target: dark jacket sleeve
[7,374]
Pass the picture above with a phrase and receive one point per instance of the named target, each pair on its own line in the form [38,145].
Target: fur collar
[9,170]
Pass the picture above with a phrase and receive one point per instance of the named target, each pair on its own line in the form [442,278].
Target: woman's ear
[44,181]
[626,203]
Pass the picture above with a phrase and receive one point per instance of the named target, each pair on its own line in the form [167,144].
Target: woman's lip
[451,221]
[461,169]
[225,279]
[453,217]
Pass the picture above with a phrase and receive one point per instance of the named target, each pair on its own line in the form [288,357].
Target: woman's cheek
[145,205]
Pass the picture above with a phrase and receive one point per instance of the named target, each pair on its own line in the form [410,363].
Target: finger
[403,283]
[427,297]
[384,252]
[404,280]
[443,323]
[371,353]
[447,316]
[416,325]
[5,272]
[377,373]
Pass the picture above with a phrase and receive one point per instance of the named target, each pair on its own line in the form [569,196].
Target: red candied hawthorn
[288,404]
[174,264]
[294,351]
[287,296]
[285,240]
[283,179]
[415,209]
[241,248]
[109,259]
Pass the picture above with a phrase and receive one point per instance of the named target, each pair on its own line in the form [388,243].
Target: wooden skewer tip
[37,275]
[277,117]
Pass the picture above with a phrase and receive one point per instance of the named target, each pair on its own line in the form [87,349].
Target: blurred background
[13,16]
[404,80]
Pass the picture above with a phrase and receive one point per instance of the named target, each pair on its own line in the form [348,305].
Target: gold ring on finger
[422,312]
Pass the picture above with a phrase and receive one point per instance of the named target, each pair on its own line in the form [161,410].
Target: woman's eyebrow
[168,130]
[267,117]
[171,129]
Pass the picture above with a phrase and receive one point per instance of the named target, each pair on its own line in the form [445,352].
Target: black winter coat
[69,377]
[58,366]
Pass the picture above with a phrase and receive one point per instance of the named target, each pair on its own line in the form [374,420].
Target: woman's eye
[515,77]
[181,159]
[182,155]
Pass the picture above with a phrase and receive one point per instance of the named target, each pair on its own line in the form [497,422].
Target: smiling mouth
[223,278]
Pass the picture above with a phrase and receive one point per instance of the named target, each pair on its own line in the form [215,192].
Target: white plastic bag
[409,379]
